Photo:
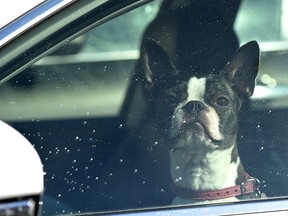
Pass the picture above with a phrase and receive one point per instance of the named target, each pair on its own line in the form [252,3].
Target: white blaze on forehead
[196,88]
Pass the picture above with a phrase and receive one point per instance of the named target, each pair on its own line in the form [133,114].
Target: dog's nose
[194,106]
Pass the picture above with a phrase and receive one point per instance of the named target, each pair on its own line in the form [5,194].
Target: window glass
[87,78]
[252,23]
[69,105]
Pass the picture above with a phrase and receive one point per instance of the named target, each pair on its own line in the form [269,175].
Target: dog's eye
[222,101]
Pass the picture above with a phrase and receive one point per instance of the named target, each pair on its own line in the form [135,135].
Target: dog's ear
[154,61]
[243,68]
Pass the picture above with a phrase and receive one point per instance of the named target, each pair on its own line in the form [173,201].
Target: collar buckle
[250,185]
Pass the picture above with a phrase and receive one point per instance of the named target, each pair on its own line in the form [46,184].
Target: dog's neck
[205,171]
[202,170]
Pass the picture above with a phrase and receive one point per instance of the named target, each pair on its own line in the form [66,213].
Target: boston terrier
[195,114]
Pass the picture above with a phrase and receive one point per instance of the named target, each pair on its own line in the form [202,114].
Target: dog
[195,115]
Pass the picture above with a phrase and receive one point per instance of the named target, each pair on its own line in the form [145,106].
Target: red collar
[248,186]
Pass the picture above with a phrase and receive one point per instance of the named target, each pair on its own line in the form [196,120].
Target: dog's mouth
[197,127]
[200,129]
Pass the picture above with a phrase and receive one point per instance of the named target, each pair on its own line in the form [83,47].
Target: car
[68,85]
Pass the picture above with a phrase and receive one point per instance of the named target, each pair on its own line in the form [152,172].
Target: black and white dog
[196,116]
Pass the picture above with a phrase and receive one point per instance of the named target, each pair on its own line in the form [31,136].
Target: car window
[271,32]
[274,27]
[84,68]
[79,104]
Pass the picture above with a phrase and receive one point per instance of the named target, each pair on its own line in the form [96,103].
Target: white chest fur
[202,170]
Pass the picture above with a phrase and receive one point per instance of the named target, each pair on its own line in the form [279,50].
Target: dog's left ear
[154,61]
[243,68]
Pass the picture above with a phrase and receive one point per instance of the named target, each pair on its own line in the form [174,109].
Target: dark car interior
[87,167]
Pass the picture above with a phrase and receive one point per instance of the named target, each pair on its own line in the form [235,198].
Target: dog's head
[196,109]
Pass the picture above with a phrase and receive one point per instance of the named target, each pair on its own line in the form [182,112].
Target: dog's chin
[199,131]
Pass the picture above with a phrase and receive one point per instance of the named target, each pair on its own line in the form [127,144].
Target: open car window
[84,109]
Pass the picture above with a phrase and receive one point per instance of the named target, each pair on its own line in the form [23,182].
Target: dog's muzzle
[196,115]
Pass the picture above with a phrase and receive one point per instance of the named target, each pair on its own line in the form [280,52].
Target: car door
[68,84]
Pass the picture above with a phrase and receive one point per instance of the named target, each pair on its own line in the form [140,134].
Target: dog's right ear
[155,62]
